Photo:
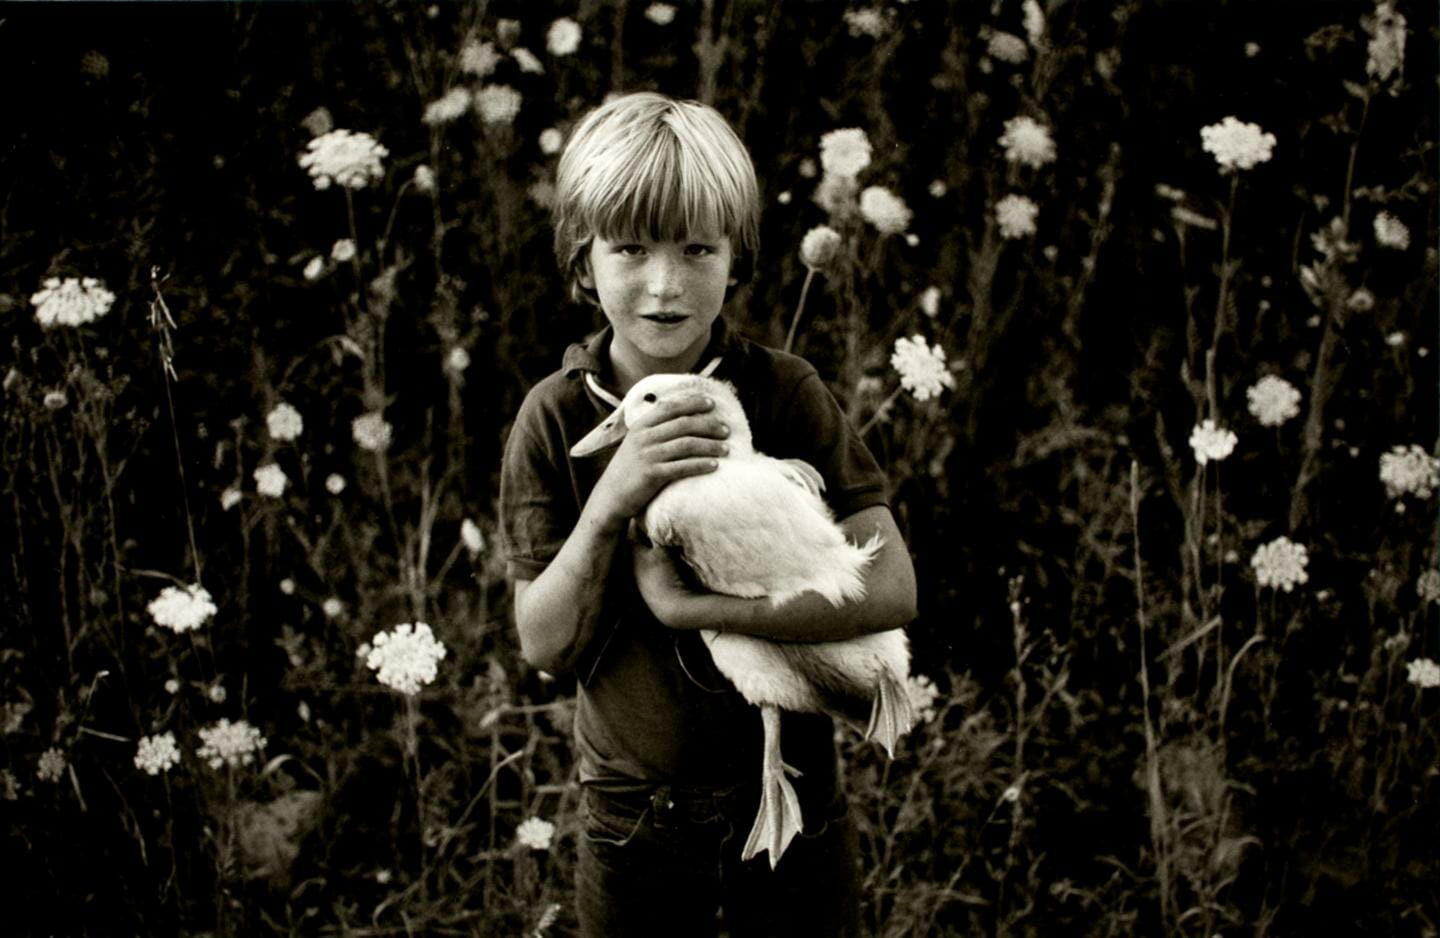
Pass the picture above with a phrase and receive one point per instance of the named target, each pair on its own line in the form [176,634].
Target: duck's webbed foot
[778,820]
[891,714]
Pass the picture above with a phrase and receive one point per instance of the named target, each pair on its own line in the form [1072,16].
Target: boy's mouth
[665,319]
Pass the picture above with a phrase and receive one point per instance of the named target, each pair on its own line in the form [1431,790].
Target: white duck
[757,527]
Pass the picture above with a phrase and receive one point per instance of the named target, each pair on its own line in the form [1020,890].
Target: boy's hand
[674,440]
[670,598]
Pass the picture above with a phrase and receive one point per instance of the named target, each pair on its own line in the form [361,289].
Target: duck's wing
[804,475]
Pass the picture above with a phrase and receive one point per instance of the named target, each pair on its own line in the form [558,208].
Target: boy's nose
[664,278]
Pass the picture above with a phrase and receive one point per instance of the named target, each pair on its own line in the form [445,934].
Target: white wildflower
[1427,585]
[287,586]
[229,744]
[271,480]
[471,535]
[836,194]
[51,766]
[479,59]
[284,423]
[371,431]
[1273,400]
[930,301]
[1423,673]
[845,152]
[1361,301]
[807,168]
[1016,216]
[1211,442]
[332,607]
[71,302]
[1027,142]
[182,608]
[1007,47]
[923,694]
[1391,232]
[350,159]
[342,251]
[661,14]
[1034,21]
[527,60]
[1386,48]
[497,104]
[55,399]
[315,268]
[507,30]
[551,140]
[1409,470]
[172,686]
[457,360]
[563,37]
[445,109]
[1237,145]
[885,210]
[866,22]
[158,753]
[405,657]
[424,178]
[938,188]
[921,367]
[1281,564]
[535,833]
[784,197]
[819,247]
[217,693]
[334,483]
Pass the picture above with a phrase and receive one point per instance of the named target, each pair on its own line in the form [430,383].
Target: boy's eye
[631,250]
[699,250]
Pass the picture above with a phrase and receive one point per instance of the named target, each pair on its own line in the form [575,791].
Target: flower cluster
[921,367]
[1273,400]
[1007,47]
[446,108]
[845,152]
[1409,470]
[181,609]
[1427,585]
[866,22]
[157,753]
[405,658]
[885,210]
[52,765]
[270,480]
[1237,145]
[497,104]
[71,302]
[563,37]
[1211,442]
[1033,20]
[284,423]
[1423,673]
[1386,48]
[819,246]
[661,14]
[230,744]
[479,58]
[1281,564]
[923,694]
[1390,232]
[535,833]
[351,159]
[1016,216]
[343,251]
[372,431]
[1027,142]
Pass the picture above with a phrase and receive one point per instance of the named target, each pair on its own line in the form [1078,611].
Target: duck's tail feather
[891,713]
[778,820]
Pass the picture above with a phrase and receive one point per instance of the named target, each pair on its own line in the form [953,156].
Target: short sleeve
[811,426]
[537,509]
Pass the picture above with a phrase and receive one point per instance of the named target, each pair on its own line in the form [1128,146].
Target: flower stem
[799,308]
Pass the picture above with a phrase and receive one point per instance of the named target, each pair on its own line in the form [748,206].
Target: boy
[656,219]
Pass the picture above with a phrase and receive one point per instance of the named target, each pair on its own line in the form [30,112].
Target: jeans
[666,861]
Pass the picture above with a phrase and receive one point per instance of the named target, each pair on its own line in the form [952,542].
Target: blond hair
[646,165]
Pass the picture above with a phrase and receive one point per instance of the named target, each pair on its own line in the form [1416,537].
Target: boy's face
[661,298]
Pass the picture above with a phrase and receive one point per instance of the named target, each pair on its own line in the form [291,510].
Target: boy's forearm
[557,613]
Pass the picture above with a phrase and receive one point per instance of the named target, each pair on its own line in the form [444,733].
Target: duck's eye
[649,398]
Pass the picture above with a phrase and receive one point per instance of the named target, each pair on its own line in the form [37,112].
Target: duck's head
[652,391]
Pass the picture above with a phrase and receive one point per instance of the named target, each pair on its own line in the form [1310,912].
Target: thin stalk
[799,308]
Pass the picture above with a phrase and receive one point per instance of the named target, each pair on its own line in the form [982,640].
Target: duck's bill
[609,433]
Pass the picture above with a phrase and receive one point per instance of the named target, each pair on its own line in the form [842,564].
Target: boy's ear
[583,274]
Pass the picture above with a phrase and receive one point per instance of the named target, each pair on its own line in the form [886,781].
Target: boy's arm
[556,613]
[889,594]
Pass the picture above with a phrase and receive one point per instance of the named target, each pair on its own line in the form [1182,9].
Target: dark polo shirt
[652,707]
